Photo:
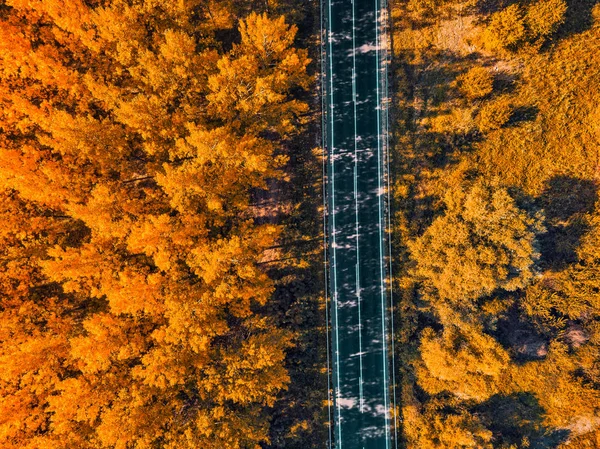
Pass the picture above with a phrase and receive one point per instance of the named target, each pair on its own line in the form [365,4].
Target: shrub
[514,25]
[494,115]
[506,28]
[544,17]
[476,83]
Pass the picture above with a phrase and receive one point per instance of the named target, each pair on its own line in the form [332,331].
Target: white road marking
[335,293]
[357,286]
[383,333]
[389,221]
[324,193]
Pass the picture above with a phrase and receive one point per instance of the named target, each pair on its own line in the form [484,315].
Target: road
[355,124]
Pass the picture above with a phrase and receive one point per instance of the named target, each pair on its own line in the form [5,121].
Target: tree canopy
[483,242]
[131,138]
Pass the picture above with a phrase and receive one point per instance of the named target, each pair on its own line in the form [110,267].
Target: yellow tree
[483,242]
[463,361]
[251,88]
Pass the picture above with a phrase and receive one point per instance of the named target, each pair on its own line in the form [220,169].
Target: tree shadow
[565,200]
[437,143]
[523,114]
[505,82]
[565,196]
[445,148]
[520,337]
[517,416]
[435,81]
[492,6]
[578,18]
[299,418]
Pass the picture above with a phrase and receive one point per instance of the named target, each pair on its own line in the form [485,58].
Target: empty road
[355,124]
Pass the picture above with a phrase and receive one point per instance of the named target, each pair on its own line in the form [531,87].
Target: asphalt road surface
[355,119]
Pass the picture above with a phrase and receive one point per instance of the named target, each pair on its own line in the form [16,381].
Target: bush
[514,26]
[506,28]
[476,83]
[494,115]
[544,17]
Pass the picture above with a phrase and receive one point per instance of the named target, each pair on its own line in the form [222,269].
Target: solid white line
[379,162]
[324,193]
[335,293]
[358,295]
[389,217]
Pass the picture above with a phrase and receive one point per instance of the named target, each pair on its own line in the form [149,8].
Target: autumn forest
[161,224]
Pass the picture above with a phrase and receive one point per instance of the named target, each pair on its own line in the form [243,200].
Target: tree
[580,283]
[464,362]
[571,294]
[483,242]
[444,423]
[449,431]
[251,87]
[37,319]
[567,399]
[517,24]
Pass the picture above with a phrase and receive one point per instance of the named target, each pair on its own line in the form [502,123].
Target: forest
[497,229]
[161,258]
[141,269]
